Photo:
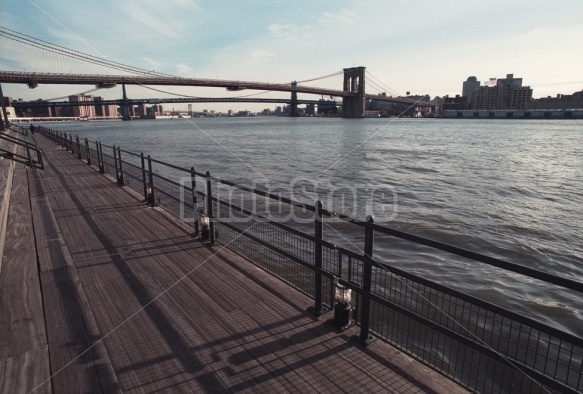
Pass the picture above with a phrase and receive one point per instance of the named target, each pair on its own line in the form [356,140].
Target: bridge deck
[99,292]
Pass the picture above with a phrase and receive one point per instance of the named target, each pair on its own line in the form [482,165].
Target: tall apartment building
[507,94]
[469,87]
[107,111]
[82,110]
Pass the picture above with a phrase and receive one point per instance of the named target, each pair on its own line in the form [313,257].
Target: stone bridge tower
[353,105]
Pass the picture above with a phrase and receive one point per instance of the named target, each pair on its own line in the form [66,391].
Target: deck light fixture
[205,223]
[149,193]
[343,307]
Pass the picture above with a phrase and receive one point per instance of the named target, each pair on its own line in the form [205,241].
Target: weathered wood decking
[100,293]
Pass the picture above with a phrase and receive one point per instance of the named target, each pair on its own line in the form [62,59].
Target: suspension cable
[322,77]
[75,94]
[381,84]
[189,96]
[44,45]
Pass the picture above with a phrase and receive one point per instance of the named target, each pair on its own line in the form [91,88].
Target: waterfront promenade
[101,293]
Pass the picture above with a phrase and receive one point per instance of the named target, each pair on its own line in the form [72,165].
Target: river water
[511,189]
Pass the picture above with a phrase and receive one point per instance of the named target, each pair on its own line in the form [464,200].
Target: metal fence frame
[482,346]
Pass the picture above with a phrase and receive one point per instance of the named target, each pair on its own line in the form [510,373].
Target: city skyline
[420,47]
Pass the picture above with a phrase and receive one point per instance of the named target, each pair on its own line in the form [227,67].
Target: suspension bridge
[47,63]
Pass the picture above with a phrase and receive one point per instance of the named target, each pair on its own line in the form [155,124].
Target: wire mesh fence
[483,346]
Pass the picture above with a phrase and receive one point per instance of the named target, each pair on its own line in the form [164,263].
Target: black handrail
[31,150]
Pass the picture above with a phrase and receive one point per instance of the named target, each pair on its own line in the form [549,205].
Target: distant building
[562,101]
[41,109]
[507,94]
[107,111]
[10,111]
[82,110]
[141,110]
[455,103]
[469,87]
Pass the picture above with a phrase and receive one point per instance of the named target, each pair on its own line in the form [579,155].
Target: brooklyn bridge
[62,66]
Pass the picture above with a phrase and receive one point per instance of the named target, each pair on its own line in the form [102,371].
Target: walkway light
[205,223]
[343,307]
[149,193]
[343,294]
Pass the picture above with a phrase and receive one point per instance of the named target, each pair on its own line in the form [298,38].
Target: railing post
[151,196]
[78,147]
[318,308]
[71,143]
[194,199]
[100,157]
[29,156]
[365,338]
[209,207]
[144,176]
[120,180]
[87,151]
[115,164]
[97,154]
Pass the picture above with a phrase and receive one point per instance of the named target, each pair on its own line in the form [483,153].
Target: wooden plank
[22,321]
[77,356]
[26,372]
[6,177]
[23,348]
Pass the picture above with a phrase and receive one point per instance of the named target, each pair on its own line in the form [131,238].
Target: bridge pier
[353,105]
[124,108]
[294,101]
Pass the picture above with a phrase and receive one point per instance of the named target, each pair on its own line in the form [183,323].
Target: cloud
[162,18]
[151,21]
[153,64]
[344,16]
[258,57]
[184,70]
[279,28]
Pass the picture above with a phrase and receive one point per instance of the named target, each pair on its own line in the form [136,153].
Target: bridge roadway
[100,293]
[34,79]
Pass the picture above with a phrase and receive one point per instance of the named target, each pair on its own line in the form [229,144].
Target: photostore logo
[292,202]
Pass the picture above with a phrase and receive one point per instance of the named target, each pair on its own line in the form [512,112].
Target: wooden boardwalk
[101,293]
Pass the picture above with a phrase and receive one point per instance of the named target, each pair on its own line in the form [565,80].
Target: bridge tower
[124,107]
[353,105]
[294,101]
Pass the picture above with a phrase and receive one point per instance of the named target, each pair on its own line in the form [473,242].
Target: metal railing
[484,347]
[29,155]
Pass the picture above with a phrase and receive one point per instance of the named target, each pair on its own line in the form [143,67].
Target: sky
[418,46]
